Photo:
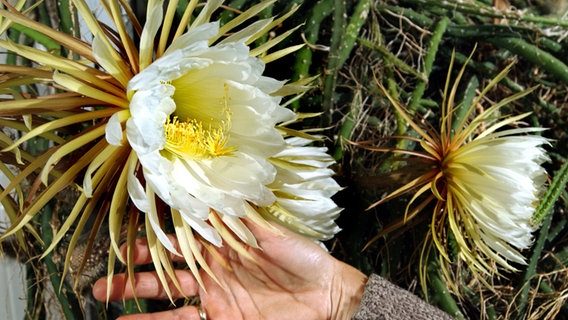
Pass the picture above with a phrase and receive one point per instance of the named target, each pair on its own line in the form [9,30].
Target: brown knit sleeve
[383,300]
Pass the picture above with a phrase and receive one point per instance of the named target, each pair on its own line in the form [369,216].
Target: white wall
[12,275]
[12,279]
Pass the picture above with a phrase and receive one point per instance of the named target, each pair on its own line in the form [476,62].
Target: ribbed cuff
[383,300]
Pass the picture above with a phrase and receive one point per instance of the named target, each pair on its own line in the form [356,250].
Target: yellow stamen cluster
[190,140]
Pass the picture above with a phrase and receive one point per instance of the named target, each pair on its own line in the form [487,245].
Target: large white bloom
[494,183]
[484,183]
[203,125]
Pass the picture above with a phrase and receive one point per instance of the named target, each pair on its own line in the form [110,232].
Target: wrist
[347,290]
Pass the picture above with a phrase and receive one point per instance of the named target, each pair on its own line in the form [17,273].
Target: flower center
[191,140]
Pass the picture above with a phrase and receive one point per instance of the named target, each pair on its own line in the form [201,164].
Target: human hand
[292,278]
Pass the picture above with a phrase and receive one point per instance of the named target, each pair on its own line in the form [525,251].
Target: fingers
[185,313]
[147,285]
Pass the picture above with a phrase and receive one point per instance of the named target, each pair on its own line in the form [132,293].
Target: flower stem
[342,42]
[442,295]
[392,58]
[38,37]
[468,96]
[543,215]
[428,62]
[478,9]
[532,53]
[304,57]
[346,130]
[546,205]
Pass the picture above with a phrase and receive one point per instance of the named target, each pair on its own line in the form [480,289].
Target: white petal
[205,230]
[148,35]
[137,193]
[155,223]
[113,131]
[241,175]
[149,111]
[192,182]
[198,35]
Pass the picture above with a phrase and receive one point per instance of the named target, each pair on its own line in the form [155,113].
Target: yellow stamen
[190,139]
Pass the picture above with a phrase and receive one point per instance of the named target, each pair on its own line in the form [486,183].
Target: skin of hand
[292,278]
